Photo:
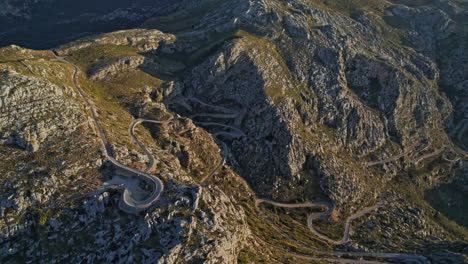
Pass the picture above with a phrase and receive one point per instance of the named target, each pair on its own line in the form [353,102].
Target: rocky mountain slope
[43,24]
[353,103]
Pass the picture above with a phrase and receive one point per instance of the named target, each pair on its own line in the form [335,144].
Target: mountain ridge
[293,101]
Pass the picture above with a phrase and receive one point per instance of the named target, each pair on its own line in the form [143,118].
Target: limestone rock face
[102,71]
[348,102]
[143,40]
[61,166]
[35,110]
[350,83]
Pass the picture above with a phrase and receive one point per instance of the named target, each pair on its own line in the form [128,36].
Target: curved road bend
[239,133]
[221,163]
[417,258]
[349,221]
[446,158]
[372,163]
[402,256]
[429,155]
[214,107]
[127,195]
[327,213]
[131,131]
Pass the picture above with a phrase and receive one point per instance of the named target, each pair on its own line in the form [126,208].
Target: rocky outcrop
[121,64]
[219,229]
[353,85]
[100,72]
[410,220]
[39,197]
[427,25]
[34,110]
[142,39]
[295,97]
[189,223]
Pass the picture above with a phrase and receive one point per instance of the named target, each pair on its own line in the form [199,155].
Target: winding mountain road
[392,158]
[341,254]
[213,107]
[428,155]
[325,214]
[137,205]
[415,160]
[131,131]
[130,204]
[223,161]
[399,256]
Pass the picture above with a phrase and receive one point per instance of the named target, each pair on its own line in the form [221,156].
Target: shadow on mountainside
[261,156]
[444,252]
[450,199]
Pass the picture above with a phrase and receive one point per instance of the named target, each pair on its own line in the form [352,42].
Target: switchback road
[130,204]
